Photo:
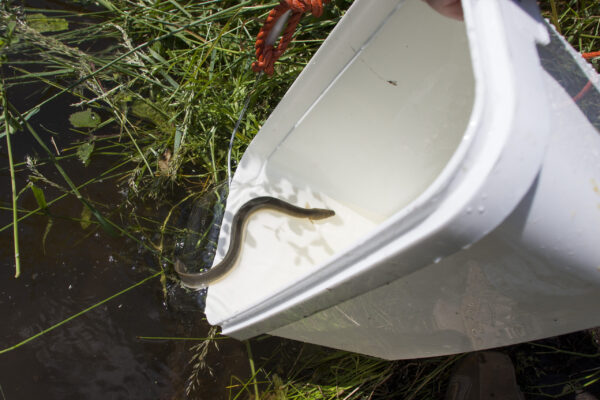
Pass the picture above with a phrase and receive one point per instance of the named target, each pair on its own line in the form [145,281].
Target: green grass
[317,373]
[577,21]
[159,86]
[170,78]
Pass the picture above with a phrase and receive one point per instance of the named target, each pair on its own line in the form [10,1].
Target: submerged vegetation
[154,89]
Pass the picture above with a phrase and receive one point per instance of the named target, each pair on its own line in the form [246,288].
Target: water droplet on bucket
[437,260]
[481,209]
[469,210]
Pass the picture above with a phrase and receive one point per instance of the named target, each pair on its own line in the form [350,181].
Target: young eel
[203,279]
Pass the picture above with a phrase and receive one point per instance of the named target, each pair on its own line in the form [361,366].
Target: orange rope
[582,92]
[588,85]
[591,55]
[266,55]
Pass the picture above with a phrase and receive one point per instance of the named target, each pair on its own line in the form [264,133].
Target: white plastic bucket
[464,177]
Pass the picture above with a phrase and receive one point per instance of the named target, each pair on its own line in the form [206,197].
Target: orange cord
[266,55]
[588,85]
[591,55]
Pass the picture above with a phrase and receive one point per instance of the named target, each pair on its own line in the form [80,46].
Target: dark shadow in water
[196,246]
[202,218]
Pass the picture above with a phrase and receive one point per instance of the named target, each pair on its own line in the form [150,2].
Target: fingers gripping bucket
[463,174]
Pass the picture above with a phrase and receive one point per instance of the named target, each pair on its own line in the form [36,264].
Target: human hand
[448,8]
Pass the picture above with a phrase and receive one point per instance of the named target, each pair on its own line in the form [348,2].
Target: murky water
[97,355]
[66,268]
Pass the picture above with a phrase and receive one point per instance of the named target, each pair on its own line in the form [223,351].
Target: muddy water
[98,355]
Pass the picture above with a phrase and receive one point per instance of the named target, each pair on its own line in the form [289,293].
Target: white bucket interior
[388,125]
[375,139]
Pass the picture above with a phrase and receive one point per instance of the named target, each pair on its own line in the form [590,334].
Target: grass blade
[12,184]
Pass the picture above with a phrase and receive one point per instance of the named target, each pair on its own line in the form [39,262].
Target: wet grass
[166,86]
[556,368]
[318,373]
[156,88]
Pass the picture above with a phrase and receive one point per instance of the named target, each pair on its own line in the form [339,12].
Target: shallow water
[97,355]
